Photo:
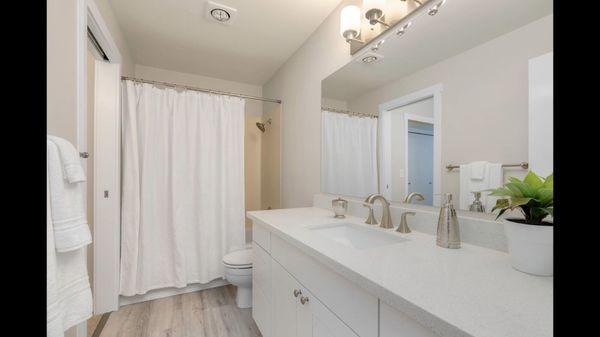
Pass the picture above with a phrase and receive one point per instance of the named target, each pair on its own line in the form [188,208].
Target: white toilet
[238,271]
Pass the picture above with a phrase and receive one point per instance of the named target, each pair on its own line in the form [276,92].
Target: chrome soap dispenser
[448,234]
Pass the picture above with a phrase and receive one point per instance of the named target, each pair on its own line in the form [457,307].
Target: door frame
[107,237]
[435,92]
[418,118]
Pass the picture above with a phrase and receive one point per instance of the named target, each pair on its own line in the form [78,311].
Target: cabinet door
[284,321]
[261,289]
[315,320]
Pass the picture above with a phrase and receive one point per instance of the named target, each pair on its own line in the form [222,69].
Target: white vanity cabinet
[282,306]
[294,295]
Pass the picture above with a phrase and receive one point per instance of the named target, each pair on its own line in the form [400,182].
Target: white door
[420,164]
[284,302]
[107,189]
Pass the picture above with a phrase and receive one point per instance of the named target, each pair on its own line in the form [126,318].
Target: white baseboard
[166,292]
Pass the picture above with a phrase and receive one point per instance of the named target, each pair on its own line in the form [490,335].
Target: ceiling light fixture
[377,45]
[220,14]
[434,10]
[369,59]
[403,29]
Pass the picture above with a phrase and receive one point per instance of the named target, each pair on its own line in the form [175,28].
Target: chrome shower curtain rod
[348,112]
[210,91]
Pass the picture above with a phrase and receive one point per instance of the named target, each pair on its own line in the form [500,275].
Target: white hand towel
[67,200]
[477,170]
[495,178]
[68,295]
[69,157]
[492,178]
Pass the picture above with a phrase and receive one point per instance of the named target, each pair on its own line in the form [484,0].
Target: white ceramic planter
[530,247]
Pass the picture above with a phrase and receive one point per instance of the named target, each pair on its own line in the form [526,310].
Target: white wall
[298,84]
[61,62]
[127,64]
[484,99]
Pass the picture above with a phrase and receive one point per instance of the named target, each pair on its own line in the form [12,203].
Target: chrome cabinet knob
[297,292]
[303,300]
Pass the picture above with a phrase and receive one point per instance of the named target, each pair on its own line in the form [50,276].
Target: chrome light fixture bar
[351,20]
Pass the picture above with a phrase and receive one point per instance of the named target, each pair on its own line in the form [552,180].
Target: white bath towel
[68,296]
[479,176]
[67,200]
[69,157]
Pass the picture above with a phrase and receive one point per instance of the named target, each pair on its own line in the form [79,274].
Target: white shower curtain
[349,154]
[183,186]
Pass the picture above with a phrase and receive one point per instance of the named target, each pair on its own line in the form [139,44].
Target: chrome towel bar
[523,165]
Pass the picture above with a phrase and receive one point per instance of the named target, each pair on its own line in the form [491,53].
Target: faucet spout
[412,195]
[386,218]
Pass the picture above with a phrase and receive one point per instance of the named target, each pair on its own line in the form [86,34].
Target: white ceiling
[175,35]
[458,26]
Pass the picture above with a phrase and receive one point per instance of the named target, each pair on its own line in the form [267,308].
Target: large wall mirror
[458,103]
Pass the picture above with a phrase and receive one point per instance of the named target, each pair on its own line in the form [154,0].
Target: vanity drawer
[354,306]
[261,236]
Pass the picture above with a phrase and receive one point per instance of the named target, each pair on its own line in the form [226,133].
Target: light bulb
[350,22]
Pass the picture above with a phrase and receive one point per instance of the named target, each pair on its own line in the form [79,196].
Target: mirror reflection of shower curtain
[183,186]
[348,154]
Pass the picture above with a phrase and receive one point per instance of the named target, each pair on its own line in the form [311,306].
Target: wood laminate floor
[207,313]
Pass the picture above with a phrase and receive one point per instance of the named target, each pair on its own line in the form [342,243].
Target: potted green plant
[530,238]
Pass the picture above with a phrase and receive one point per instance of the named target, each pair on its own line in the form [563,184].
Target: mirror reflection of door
[420,159]
[407,156]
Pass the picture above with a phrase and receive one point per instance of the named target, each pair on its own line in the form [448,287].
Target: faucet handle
[403,227]
[371,218]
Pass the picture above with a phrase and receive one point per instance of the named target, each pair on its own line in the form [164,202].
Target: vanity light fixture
[352,19]
[434,10]
[350,23]
[374,11]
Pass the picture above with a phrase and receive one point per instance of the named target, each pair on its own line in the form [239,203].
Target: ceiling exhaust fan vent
[220,13]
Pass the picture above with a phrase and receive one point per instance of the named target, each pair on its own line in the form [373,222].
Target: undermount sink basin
[356,236]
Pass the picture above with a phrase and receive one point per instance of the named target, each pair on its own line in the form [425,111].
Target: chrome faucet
[386,218]
[412,195]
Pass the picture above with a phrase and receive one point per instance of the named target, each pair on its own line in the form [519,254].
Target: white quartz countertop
[471,291]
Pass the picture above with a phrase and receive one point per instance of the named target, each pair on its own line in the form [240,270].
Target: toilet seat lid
[238,258]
